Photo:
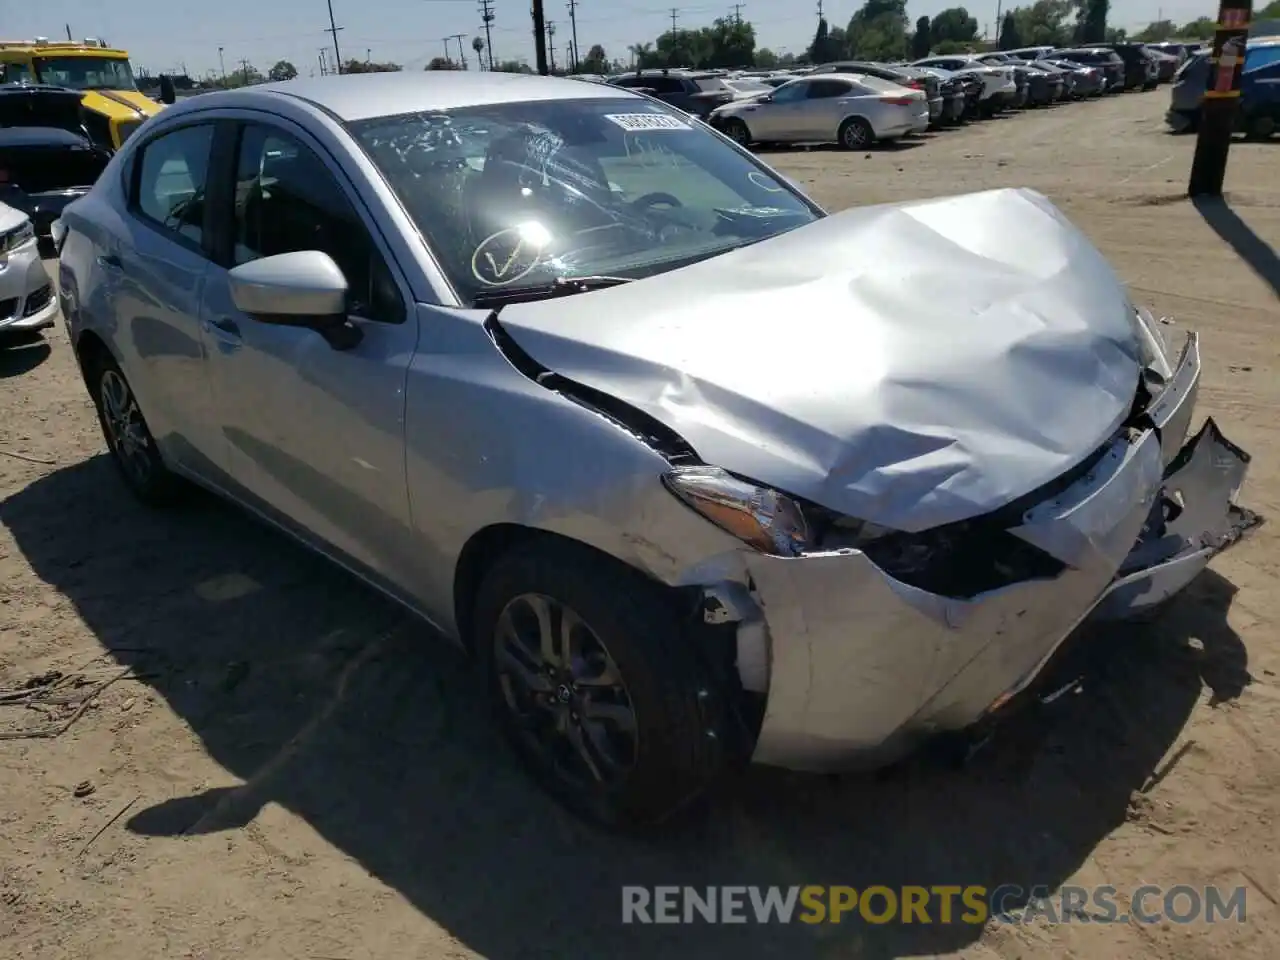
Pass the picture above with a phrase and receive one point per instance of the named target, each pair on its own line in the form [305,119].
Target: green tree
[1010,38]
[369,66]
[1157,30]
[818,48]
[1046,23]
[1091,25]
[283,70]
[879,31]
[954,24]
[922,39]
[442,63]
[1270,12]
[596,61]
[1117,34]
[766,59]
[1201,28]
[503,66]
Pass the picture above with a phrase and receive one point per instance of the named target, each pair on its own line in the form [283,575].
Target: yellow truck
[112,106]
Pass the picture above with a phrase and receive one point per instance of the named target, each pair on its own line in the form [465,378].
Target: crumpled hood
[909,364]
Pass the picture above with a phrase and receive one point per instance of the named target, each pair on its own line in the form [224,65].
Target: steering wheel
[655,200]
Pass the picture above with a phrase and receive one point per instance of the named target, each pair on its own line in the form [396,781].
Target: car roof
[360,96]
[39,137]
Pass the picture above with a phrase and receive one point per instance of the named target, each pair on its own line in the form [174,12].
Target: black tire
[128,437]
[737,131]
[1260,126]
[855,134]
[675,752]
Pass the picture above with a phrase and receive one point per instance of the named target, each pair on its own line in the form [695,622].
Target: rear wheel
[856,134]
[128,437]
[598,689]
[1260,126]
[737,131]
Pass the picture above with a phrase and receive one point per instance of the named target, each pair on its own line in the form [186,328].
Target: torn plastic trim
[652,432]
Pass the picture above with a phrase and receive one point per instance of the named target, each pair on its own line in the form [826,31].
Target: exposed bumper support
[860,667]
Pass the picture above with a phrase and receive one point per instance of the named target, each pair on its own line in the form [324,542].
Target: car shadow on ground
[1235,231]
[21,352]
[328,700]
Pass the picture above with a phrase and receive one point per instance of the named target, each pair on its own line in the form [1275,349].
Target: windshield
[86,73]
[522,193]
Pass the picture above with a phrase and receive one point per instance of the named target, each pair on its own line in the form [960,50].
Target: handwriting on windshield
[648,152]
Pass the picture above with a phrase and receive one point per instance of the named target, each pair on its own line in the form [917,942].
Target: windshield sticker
[647,122]
[509,255]
[764,183]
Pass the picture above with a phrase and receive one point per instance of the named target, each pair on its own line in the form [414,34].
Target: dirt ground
[292,769]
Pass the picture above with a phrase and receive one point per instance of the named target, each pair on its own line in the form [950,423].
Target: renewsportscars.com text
[1010,903]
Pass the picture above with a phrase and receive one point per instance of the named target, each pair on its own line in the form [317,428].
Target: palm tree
[477,44]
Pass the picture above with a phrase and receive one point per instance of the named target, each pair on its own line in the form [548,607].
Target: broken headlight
[762,517]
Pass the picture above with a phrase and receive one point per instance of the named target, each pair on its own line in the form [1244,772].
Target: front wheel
[128,437]
[856,134]
[599,691]
[737,131]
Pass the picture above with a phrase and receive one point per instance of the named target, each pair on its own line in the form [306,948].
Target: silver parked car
[853,110]
[697,471]
[27,303]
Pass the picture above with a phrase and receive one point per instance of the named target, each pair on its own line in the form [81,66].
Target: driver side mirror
[168,94]
[300,289]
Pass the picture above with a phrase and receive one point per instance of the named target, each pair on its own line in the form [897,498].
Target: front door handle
[110,261]
[227,326]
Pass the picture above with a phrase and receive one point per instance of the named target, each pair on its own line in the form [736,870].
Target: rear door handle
[227,326]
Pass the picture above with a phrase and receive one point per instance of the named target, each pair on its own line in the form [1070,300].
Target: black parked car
[1140,71]
[694,91]
[1104,59]
[45,151]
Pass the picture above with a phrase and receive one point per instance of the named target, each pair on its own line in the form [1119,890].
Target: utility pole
[999,24]
[333,29]
[68,26]
[573,26]
[674,13]
[1221,99]
[551,43]
[737,13]
[244,66]
[462,54]
[486,17]
[222,66]
[321,59]
[367,58]
[539,37]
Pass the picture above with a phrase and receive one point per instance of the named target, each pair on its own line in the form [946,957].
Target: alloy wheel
[126,429]
[564,692]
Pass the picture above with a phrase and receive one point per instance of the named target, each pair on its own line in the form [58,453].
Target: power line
[487,17]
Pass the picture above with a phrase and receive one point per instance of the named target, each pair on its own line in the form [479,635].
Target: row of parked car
[858,103]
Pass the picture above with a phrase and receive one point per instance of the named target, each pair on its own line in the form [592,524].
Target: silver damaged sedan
[697,472]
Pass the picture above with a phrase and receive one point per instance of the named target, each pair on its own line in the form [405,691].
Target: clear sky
[164,36]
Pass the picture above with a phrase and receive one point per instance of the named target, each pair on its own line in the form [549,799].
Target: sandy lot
[291,769]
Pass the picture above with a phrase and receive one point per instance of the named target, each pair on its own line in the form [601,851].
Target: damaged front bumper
[858,667]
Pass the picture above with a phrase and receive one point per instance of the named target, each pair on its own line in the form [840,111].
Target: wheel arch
[488,545]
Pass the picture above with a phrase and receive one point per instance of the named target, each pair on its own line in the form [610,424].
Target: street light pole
[1221,99]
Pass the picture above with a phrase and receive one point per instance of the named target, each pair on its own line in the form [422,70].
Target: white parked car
[853,110]
[1000,89]
[26,293]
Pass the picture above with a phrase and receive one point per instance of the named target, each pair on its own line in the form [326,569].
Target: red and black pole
[1221,99]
